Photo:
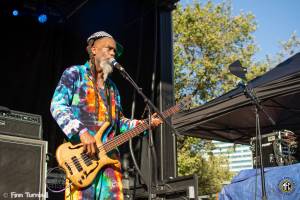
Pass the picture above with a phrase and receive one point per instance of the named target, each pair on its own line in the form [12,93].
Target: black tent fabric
[231,117]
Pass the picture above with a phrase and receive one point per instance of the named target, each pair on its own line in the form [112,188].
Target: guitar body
[79,167]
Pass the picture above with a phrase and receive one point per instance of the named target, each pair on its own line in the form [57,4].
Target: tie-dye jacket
[73,107]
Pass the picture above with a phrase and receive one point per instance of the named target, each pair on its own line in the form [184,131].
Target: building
[239,156]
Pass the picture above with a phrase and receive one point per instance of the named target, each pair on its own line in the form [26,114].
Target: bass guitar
[82,169]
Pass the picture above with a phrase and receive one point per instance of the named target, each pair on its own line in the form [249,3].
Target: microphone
[115,64]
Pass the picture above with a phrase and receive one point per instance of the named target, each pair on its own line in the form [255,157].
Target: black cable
[137,168]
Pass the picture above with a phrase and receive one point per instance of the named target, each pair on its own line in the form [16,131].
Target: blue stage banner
[282,183]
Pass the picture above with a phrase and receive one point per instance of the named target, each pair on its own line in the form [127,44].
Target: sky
[276,20]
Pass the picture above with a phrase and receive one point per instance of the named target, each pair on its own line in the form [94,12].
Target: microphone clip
[116,65]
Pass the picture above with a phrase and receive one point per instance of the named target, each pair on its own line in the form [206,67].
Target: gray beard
[106,69]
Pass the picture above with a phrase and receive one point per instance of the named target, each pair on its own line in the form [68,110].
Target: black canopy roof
[231,117]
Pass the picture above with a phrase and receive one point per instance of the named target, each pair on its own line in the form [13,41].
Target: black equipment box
[21,124]
[278,148]
[183,187]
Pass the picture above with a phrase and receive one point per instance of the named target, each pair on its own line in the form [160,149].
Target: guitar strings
[109,145]
[106,147]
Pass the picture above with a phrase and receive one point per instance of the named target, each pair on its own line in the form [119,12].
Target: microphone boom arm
[147,101]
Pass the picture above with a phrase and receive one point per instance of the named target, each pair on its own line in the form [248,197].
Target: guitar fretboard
[124,137]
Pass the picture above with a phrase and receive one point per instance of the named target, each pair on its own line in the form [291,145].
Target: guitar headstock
[186,103]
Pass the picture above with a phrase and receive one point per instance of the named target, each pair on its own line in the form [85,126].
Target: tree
[207,39]
[287,49]
[195,157]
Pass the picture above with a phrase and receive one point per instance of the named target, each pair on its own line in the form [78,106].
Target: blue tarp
[282,183]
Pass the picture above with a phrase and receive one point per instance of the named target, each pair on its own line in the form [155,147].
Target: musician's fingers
[155,116]
[93,148]
[157,122]
[89,150]
[84,148]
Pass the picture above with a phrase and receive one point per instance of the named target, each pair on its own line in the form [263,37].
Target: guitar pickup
[77,163]
[69,168]
[87,160]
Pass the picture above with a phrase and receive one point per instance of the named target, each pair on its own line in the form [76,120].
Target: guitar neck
[124,137]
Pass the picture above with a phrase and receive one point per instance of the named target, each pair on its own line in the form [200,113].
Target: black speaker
[22,168]
[21,124]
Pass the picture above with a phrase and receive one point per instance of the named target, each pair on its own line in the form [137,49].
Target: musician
[84,99]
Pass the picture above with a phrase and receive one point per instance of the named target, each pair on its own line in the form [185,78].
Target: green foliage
[287,49]
[207,39]
[195,157]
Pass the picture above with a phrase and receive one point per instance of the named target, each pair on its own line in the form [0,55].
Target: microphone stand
[258,107]
[150,106]
[145,98]
[150,146]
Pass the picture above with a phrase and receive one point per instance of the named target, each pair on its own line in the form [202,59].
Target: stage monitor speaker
[23,168]
[21,124]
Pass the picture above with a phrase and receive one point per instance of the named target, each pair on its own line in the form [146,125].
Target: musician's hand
[89,143]
[155,120]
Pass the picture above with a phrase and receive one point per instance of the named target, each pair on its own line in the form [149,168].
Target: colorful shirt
[74,108]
